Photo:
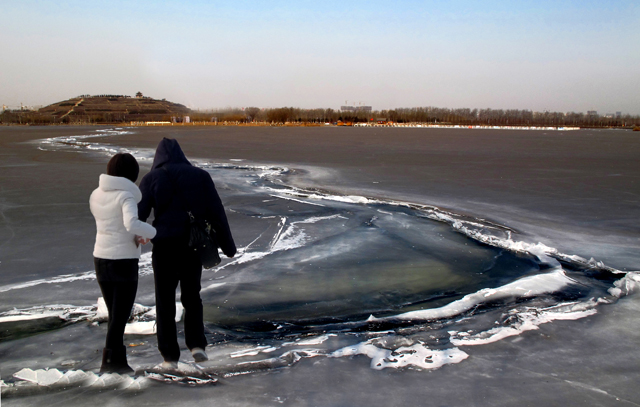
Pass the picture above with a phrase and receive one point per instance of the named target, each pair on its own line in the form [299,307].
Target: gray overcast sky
[540,55]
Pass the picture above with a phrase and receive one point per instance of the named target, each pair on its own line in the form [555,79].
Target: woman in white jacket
[117,251]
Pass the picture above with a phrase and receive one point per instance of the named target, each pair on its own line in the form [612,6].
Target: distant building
[592,113]
[139,95]
[618,115]
[367,109]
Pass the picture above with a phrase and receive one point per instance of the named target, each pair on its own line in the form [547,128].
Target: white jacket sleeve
[131,221]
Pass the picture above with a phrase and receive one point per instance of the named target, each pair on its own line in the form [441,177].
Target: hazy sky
[540,55]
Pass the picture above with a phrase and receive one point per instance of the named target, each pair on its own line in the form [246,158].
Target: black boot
[120,361]
[106,361]
[115,361]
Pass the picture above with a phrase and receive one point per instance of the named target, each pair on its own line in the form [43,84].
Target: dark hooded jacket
[173,187]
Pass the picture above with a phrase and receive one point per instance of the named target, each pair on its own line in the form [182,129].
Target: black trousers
[118,280]
[174,263]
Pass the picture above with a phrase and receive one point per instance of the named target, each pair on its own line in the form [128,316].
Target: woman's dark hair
[123,165]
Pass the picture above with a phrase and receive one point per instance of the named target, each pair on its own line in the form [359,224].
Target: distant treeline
[436,115]
[463,116]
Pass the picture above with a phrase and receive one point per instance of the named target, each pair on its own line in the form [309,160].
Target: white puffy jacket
[114,204]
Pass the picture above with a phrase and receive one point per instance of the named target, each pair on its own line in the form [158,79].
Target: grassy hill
[112,108]
[99,109]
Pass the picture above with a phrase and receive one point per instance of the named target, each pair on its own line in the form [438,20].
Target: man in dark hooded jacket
[172,188]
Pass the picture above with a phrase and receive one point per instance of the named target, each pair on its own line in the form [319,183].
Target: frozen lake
[376,267]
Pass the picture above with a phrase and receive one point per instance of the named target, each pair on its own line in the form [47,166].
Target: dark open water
[320,276]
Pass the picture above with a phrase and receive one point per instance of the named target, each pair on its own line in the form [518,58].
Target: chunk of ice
[140,328]
[41,377]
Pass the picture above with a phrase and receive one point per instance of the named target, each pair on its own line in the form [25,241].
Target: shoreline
[395,125]
[326,125]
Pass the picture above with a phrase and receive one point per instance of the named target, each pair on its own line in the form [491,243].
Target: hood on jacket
[168,152]
[111,183]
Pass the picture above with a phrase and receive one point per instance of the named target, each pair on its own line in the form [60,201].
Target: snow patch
[252,351]
[527,320]
[524,287]
[418,355]
[317,340]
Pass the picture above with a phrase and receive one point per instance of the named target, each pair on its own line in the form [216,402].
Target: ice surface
[213,286]
[67,278]
[144,269]
[307,240]
[142,323]
[13,318]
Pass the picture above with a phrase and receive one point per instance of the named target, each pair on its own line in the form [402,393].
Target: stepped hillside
[113,108]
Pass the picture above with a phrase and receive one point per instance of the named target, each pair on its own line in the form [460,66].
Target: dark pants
[174,263]
[118,280]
